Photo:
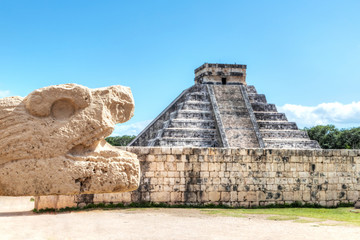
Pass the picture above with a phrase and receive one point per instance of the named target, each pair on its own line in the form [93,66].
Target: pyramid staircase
[235,116]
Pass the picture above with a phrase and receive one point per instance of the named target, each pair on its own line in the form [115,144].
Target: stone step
[270,116]
[262,107]
[232,105]
[195,114]
[190,123]
[245,134]
[257,98]
[231,123]
[234,114]
[190,133]
[198,96]
[230,108]
[251,89]
[291,144]
[283,134]
[195,142]
[277,125]
[231,98]
[196,105]
[228,94]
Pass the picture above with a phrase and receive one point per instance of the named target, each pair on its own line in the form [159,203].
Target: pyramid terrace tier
[263,107]
[190,133]
[270,116]
[291,143]
[258,98]
[196,105]
[195,114]
[283,134]
[277,125]
[192,123]
[181,142]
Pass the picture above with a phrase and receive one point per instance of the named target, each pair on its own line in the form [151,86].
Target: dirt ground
[18,222]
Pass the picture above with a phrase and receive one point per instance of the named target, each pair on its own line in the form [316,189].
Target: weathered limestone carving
[52,142]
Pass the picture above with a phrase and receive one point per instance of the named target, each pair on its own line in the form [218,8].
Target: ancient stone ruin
[52,142]
[220,142]
[221,110]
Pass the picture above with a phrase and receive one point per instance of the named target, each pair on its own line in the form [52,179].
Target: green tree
[325,135]
[350,138]
[329,137]
[120,140]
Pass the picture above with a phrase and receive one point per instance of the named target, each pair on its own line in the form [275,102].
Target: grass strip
[341,214]
[164,205]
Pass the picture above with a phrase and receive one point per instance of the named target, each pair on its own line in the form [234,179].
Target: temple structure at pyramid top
[222,74]
[221,110]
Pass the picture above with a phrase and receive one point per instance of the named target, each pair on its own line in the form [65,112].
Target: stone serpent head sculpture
[52,142]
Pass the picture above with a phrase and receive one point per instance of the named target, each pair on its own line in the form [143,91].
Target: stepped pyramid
[221,110]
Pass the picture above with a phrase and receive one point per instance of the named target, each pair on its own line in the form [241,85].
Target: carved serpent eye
[62,109]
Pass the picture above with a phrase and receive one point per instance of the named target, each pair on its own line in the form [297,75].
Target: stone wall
[243,177]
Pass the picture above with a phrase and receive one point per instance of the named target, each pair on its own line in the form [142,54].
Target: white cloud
[5,93]
[130,129]
[338,114]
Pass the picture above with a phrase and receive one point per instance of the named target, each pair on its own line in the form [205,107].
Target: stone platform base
[235,177]
[63,201]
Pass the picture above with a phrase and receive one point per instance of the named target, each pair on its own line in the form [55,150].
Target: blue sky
[303,55]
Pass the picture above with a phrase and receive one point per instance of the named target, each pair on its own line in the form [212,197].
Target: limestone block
[170,166]
[306,196]
[261,196]
[242,196]
[233,196]
[160,197]
[170,158]
[151,166]
[251,197]
[225,196]
[160,166]
[155,150]
[353,196]
[177,150]
[153,181]
[52,142]
[173,174]
[213,167]
[163,173]
[204,174]
[197,167]
[288,196]
[180,166]
[143,150]
[150,158]
[204,197]
[166,181]
[54,202]
[214,196]
[176,197]
[194,158]
[149,174]
[204,167]
[190,196]
[160,158]
[124,197]
[165,150]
